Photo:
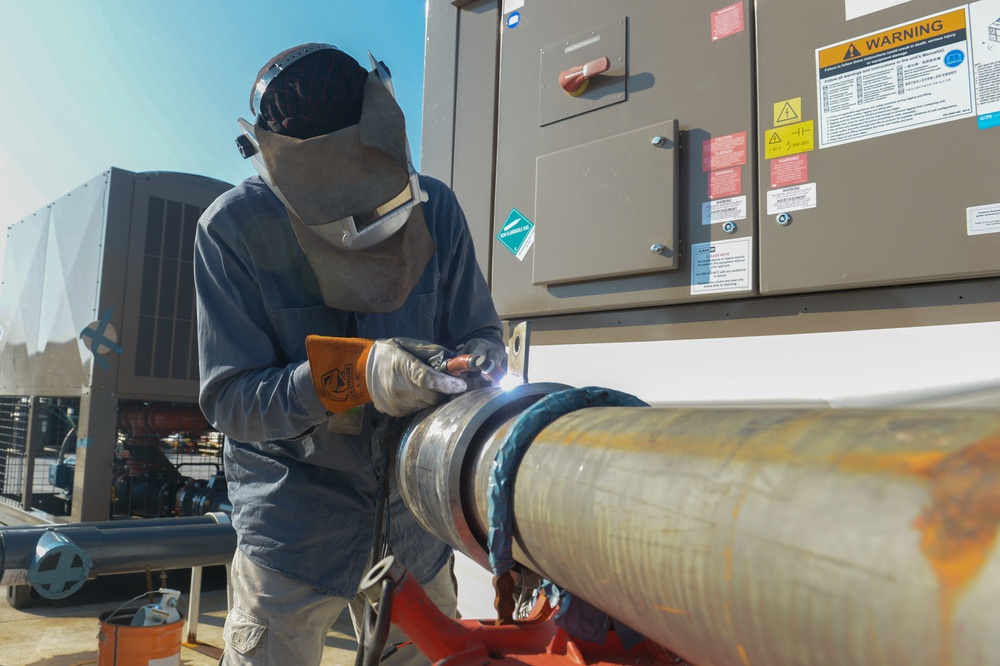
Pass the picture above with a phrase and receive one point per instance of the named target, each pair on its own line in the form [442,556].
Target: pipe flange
[442,442]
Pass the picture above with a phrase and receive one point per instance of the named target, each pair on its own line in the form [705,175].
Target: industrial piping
[739,536]
[58,559]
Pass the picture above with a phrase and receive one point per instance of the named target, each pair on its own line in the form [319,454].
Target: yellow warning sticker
[900,36]
[789,111]
[788,140]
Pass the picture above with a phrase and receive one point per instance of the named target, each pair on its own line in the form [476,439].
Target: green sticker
[517,234]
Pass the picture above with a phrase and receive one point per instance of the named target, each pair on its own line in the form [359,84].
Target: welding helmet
[352,193]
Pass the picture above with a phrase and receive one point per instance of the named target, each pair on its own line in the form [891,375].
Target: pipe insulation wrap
[516,441]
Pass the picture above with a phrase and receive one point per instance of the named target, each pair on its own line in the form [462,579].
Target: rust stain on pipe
[910,464]
[743,655]
[672,611]
[959,527]
[961,524]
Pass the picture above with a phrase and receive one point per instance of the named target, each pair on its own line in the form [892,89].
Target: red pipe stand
[535,640]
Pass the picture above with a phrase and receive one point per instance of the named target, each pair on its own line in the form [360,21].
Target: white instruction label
[984,17]
[14,577]
[721,266]
[902,78]
[787,199]
[724,210]
[983,219]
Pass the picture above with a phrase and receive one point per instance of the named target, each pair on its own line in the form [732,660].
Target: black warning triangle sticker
[852,52]
[774,139]
[787,113]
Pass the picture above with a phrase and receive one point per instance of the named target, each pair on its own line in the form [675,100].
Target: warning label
[792,170]
[721,266]
[789,111]
[788,140]
[724,210]
[724,151]
[725,183]
[910,76]
[787,199]
[727,21]
[517,234]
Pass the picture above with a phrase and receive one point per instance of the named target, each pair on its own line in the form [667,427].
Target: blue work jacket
[303,497]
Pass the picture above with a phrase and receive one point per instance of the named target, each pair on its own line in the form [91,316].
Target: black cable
[377,633]
[379,550]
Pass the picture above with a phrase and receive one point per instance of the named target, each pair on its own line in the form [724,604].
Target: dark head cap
[317,93]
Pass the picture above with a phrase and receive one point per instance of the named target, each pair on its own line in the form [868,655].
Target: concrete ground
[66,634]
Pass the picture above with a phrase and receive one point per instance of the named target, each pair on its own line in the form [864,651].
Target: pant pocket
[246,635]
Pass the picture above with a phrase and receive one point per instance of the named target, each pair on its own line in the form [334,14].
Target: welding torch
[462,363]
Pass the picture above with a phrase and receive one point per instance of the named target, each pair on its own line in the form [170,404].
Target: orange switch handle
[573,80]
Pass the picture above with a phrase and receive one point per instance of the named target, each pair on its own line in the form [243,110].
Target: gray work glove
[399,379]
[494,352]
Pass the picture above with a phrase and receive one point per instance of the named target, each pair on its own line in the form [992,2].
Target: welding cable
[375,629]
[392,649]
[380,541]
[512,449]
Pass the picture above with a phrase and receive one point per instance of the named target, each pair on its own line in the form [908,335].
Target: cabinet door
[896,183]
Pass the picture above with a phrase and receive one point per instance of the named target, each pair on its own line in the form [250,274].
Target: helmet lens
[364,220]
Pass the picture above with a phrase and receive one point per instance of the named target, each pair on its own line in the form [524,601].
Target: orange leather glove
[392,374]
[337,367]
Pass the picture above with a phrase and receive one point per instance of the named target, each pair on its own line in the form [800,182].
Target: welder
[325,284]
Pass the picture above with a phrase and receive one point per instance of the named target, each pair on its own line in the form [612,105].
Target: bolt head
[658,141]
[657,248]
[784,219]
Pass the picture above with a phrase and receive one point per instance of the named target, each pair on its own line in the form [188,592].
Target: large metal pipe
[57,559]
[763,536]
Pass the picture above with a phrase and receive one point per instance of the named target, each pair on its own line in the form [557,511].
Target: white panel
[855,8]
[877,368]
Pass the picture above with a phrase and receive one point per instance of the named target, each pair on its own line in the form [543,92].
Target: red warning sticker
[725,183]
[792,170]
[727,21]
[723,152]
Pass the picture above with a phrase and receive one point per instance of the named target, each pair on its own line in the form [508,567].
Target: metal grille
[13,438]
[166,337]
[151,469]
[53,423]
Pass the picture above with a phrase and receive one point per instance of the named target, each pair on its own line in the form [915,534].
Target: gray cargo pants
[276,620]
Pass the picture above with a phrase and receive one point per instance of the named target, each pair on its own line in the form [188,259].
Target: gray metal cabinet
[899,184]
[603,195]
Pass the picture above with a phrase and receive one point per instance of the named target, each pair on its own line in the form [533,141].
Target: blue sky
[157,85]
